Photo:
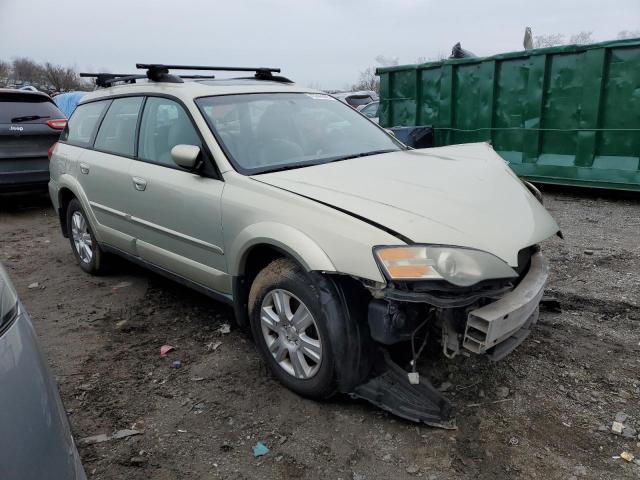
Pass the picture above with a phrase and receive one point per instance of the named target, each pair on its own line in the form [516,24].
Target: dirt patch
[537,414]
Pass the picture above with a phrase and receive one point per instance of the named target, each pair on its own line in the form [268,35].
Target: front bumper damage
[487,321]
[498,328]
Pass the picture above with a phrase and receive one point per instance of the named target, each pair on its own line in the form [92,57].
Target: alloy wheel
[291,334]
[81,237]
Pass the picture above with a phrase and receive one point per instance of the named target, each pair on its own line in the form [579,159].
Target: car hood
[463,195]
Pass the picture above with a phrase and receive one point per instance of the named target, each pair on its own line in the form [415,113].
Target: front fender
[284,237]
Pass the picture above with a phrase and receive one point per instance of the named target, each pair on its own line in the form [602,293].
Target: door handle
[84,168]
[139,183]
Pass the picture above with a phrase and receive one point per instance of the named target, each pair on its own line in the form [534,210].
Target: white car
[370,110]
[357,99]
[331,239]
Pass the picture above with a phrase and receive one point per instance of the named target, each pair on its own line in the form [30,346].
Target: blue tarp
[67,102]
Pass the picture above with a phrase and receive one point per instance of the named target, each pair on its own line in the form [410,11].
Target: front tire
[83,242]
[291,331]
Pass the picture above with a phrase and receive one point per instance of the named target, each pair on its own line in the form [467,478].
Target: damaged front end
[490,318]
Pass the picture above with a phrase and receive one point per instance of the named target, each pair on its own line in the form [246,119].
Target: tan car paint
[178,223]
[203,228]
[320,237]
[462,195]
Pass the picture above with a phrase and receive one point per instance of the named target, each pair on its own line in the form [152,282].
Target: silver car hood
[463,195]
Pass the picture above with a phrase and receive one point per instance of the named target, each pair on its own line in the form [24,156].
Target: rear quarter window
[83,123]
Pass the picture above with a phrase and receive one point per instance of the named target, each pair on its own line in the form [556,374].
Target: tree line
[47,76]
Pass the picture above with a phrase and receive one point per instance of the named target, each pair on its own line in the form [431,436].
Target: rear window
[357,100]
[24,108]
[82,124]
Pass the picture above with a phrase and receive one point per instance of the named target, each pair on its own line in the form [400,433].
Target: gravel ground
[543,412]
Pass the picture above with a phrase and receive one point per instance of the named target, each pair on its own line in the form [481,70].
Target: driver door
[176,212]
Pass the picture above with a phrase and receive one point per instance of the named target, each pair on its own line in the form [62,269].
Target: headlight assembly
[457,265]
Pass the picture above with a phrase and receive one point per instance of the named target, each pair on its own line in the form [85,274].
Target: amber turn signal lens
[409,271]
[390,254]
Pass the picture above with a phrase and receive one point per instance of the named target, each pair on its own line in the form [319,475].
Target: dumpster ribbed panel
[567,115]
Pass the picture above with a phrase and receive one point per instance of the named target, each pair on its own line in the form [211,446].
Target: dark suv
[30,124]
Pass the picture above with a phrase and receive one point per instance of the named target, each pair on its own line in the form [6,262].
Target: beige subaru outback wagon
[331,239]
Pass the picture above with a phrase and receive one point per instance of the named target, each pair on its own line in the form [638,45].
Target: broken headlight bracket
[388,388]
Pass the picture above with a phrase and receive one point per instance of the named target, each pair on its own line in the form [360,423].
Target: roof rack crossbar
[160,66]
[158,72]
[261,73]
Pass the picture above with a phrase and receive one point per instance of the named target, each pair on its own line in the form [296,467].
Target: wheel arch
[282,238]
[258,245]
[343,304]
[65,195]
[68,189]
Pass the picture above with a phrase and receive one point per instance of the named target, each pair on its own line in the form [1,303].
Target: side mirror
[185,156]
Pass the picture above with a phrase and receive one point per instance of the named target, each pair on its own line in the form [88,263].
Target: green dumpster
[567,115]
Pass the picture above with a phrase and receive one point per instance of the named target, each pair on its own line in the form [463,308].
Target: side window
[82,124]
[370,110]
[164,125]
[117,133]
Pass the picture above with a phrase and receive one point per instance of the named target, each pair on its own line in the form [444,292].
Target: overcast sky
[323,43]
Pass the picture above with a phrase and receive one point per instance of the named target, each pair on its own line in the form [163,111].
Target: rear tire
[83,242]
[291,331]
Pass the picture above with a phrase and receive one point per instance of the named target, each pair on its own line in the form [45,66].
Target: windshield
[277,131]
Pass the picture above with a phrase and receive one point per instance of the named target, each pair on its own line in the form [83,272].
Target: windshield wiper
[322,162]
[359,155]
[27,118]
[291,166]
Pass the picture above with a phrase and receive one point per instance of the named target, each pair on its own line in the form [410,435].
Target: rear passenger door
[176,212]
[104,172]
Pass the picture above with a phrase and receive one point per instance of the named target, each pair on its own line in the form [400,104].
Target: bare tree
[435,58]
[46,77]
[385,61]
[550,40]
[555,39]
[61,78]
[5,70]
[26,70]
[624,34]
[581,38]
[367,80]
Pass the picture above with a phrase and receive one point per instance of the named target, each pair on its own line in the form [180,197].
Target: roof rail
[158,70]
[198,77]
[107,79]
